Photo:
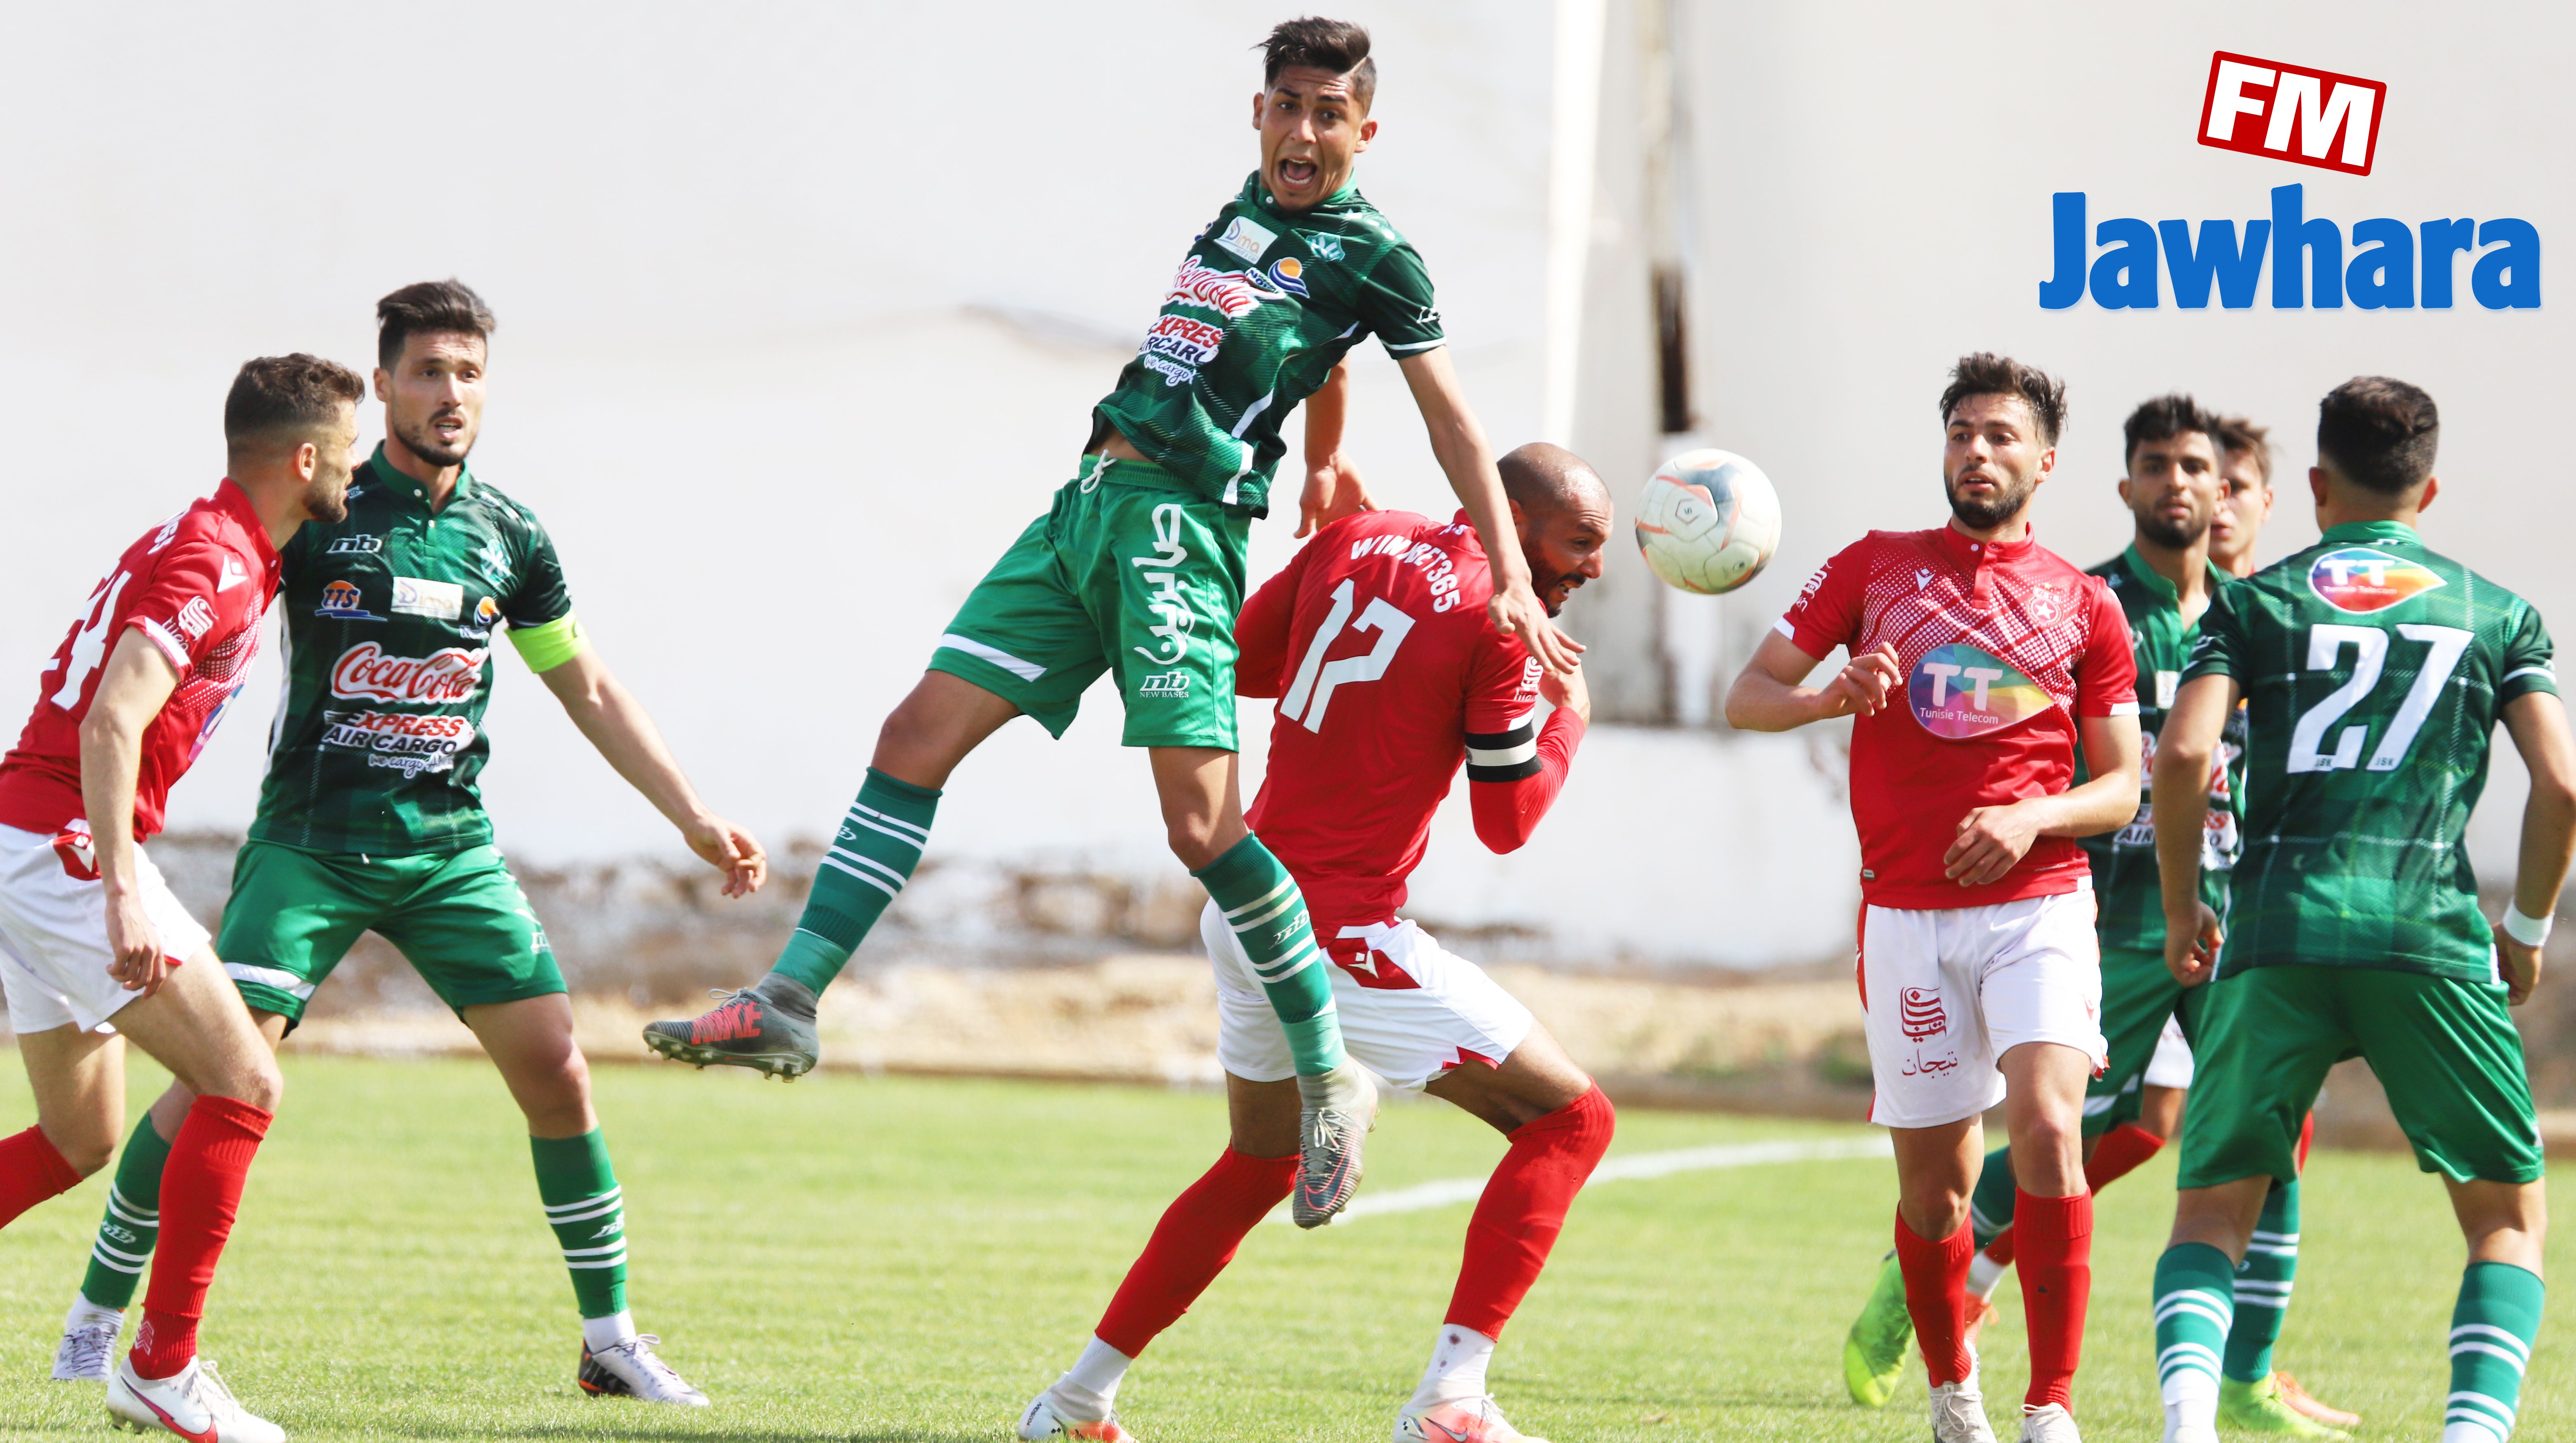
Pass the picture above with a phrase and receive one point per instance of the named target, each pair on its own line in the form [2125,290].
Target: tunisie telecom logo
[2306,117]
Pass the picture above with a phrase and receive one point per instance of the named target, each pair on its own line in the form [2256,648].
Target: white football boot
[87,1353]
[193,1403]
[2049,1423]
[1045,1418]
[1959,1413]
[1469,1420]
[633,1370]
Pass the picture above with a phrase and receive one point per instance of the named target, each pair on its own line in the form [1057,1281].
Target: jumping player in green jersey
[1138,569]
[2375,671]
[370,819]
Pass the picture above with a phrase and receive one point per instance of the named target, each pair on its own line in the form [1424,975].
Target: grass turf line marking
[1619,1169]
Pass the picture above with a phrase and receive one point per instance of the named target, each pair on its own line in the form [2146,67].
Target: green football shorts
[459,918]
[2138,993]
[1126,574]
[2444,1050]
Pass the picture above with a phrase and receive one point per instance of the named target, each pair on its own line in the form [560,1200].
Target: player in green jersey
[1138,569]
[2375,671]
[370,819]
[2245,464]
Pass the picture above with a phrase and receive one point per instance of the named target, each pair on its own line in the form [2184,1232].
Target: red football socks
[31,1170]
[201,1189]
[2120,1152]
[2056,1281]
[1523,1209]
[1936,1297]
[1191,1245]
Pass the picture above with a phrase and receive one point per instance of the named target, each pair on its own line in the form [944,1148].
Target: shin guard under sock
[1192,1244]
[1523,1208]
[2493,1327]
[2056,1251]
[1936,1297]
[866,867]
[1261,903]
[200,1194]
[133,1221]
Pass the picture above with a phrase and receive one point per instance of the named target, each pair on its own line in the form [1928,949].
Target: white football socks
[1089,1389]
[1457,1371]
[2463,1430]
[85,1314]
[1983,1273]
[2191,1406]
[608,1332]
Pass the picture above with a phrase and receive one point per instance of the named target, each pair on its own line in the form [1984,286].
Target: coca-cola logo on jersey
[451,675]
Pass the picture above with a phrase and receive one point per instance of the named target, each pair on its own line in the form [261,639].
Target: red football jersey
[1388,673]
[2002,645]
[196,586]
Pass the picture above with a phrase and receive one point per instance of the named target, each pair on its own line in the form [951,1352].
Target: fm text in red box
[2289,112]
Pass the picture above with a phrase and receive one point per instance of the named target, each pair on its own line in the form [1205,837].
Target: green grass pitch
[911,1260]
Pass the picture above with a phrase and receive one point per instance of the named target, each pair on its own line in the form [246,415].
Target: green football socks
[133,1222]
[1990,1205]
[1261,903]
[587,1210]
[2263,1285]
[2195,1306]
[870,860]
[2492,1330]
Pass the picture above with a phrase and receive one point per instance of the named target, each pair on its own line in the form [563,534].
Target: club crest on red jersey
[1960,691]
[2362,579]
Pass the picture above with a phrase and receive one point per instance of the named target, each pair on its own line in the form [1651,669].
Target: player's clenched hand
[1862,686]
[1515,611]
[730,850]
[1566,689]
[134,945]
[2518,965]
[2191,952]
[1333,490]
[1990,841]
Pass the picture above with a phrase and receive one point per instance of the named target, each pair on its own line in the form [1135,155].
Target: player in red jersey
[89,931]
[1979,662]
[1389,673]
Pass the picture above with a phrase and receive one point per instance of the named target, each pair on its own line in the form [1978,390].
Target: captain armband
[549,645]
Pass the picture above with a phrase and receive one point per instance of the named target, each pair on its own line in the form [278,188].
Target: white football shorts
[2172,1064]
[53,930]
[1946,992]
[1406,1034]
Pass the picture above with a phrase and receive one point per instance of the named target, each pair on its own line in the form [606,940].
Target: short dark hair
[273,396]
[2162,419]
[1987,374]
[447,307]
[1335,45]
[2379,433]
[2239,436]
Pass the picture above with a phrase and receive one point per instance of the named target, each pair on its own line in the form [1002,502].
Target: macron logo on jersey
[234,574]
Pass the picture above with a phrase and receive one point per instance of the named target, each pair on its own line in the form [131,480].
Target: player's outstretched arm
[1508,811]
[2537,722]
[615,722]
[2185,751]
[1771,694]
[1333,485]
[138,679]
[1459,444]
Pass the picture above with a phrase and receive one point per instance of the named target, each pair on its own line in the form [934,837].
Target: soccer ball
[1708,522]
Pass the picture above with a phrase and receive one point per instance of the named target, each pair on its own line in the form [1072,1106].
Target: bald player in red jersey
[1980,661]
[89,931]
[1389,675]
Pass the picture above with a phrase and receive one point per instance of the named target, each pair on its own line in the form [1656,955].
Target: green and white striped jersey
[2374,672]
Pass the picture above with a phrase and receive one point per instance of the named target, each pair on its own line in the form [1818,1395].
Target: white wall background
[803,307]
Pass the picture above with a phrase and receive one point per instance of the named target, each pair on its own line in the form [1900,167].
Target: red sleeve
[183,607]
[1827,612]
[1261,629]
[2106,675]
[1508,812]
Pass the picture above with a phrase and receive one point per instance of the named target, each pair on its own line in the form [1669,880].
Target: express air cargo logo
[1177,346]
[341,602]
[2284,102]
[364,672]
[1959,691]
[408,743]
[2359,579]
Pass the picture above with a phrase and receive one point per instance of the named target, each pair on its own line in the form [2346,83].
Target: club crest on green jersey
[2363,579]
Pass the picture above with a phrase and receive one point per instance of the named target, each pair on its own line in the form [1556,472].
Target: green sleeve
[539,609]
[2218,649]
[1395,301]
[2529,659]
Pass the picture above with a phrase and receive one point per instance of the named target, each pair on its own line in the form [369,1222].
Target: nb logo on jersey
[1168,683]
[355,546]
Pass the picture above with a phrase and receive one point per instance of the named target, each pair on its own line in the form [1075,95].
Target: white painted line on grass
[1617,1169]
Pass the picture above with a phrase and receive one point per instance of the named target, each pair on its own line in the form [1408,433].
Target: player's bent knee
[87,1153]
